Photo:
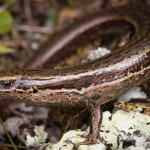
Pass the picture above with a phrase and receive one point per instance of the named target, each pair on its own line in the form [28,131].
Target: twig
[28,14]
[27,28]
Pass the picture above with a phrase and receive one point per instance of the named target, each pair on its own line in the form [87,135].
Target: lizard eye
[6,84]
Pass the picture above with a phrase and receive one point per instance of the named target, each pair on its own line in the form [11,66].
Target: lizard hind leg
[95,123]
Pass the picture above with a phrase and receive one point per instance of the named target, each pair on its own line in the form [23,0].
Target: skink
[94,83]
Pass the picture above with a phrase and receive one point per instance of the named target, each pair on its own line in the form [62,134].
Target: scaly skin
[94,83]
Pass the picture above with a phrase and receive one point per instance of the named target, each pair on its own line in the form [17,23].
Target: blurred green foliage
[6,50]
[72,2]
[6,1]
[6,22]
[53,17]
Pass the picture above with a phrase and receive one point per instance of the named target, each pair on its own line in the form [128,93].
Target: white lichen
[134,93]
[39,137]
[99,52]
[119,127]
